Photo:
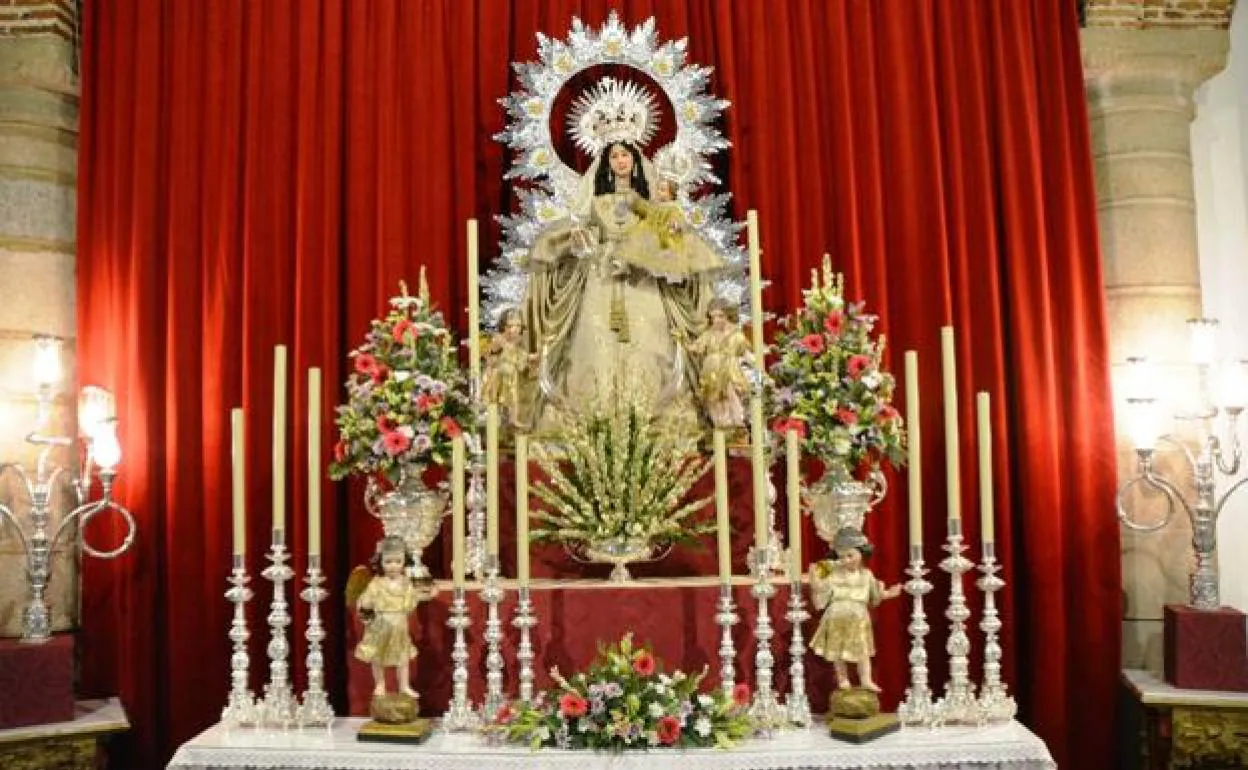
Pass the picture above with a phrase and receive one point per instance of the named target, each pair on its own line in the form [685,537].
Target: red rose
[404,328]
[424,403]
[798,427]
[573,705]
[340,451]
[741,694]
[857,365]
[365,363]
[505,714]
[812,344]
[834,322]
[450,427]
[668,730]
[395,443]
[385,424]
[643,663]
[847,416]
[887,412]
[379,373]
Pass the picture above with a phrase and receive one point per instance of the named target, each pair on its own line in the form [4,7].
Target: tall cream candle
[913,447]
[314,461]
[793,457]
[948,370]
[983,407]
[723,544]
[279,438]
[457,510]
[522,508]
[474,302]
[756,286]
[491,480]
[238,464]
[758,456]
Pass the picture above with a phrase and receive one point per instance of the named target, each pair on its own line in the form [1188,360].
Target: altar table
[1001,747]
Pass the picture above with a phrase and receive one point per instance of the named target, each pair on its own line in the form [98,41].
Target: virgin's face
[392,564]
[621,160]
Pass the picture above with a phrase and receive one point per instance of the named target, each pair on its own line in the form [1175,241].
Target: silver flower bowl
[839,500]
[410,511]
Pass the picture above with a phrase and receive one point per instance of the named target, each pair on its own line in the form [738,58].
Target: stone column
[1140,77]
[38,172]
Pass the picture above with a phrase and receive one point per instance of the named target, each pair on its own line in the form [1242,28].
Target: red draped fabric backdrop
[266,172]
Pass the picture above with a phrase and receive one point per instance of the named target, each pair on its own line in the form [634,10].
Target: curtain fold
[263,173]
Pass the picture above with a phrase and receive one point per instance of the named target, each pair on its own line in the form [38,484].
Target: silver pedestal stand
[314,709]
[525,620]
[916,708]
[461,715]
[958,705]
[240,709]
[765,709]
[492,594]
[995,704]
[726,616]
[797,705]
[278,705]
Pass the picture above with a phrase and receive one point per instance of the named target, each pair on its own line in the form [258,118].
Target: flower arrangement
[827,384]
[625,701]
[620,475]
[406,396]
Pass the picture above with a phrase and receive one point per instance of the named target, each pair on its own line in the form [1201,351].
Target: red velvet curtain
[265,172]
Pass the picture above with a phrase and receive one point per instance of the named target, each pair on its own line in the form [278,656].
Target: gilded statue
[385,605]
[508,367]
[722,351]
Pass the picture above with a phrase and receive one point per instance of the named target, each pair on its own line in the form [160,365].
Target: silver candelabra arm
[1147,477]
[1230,468]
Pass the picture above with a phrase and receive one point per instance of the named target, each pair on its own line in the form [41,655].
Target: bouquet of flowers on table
[407,397]
[625,701]
[828,385]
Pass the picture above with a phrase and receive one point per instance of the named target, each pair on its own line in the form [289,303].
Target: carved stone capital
[1152,61]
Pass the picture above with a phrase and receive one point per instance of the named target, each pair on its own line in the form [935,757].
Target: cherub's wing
[356,583]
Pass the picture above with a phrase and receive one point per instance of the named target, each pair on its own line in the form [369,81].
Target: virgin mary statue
[617,288]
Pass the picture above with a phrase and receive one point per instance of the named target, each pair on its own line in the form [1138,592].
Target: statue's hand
[893,591]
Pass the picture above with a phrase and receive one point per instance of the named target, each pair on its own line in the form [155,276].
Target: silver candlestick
[492,594]
[916,708]
[278,705]
[525,620]
[995,704]
[797,705]
[726,616]
[765,709]
[240,709]
[460,716]
[314,710]
[958,704]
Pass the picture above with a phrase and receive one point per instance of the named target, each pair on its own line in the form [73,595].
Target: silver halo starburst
[550,185]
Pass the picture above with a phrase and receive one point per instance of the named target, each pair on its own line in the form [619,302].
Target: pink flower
[847,416]
[833,323]
[741,694]
[379,373]
[783,425]
[450,427]
[643,663]
[340,451]
[668,730]
[505,714]
[424,403]
[395,443]
[857,365]
[385,424]
[365,363]
[573,705]
[812,344]
[404,328]
[887,412]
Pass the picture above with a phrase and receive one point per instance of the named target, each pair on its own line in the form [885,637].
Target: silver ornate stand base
[525,620]
[797,705]
[726,617]
[314,709]
[765,709]
[958,705]
[278,705]
[461,715]
[916,708]
[492,594]
[995,704]
[241,708]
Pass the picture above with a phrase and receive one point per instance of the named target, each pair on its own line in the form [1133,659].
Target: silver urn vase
[839,500]
[409,510]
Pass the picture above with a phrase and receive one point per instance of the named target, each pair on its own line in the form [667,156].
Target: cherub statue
[507,364]
[384,605]
[846,591]
[722,348]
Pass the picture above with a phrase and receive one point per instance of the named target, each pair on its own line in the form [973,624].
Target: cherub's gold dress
[386,638]
[845,596]
[506,364]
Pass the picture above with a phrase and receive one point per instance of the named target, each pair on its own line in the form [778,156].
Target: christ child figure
[722,348]
[385,605]
[507,363]
[846,591]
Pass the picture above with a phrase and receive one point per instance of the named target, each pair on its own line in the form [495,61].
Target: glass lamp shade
[1143,423]
[1204,340]
[46,367]
[105,447]
[95,408]
[1233,385]
[1137,380]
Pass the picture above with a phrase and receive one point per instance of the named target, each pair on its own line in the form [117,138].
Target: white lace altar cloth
[1000,747]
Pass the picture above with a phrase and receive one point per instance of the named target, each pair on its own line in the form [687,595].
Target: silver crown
[676,164]
[612,111]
